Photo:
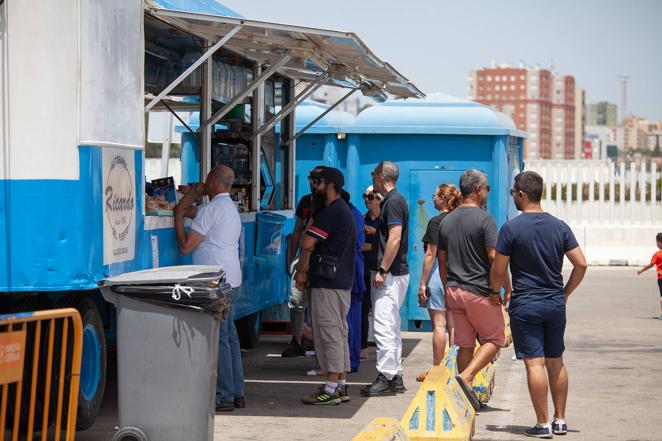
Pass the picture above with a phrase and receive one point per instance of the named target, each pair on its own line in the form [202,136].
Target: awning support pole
[305,93]
[248,90]
[322,115]
[193,67]
[178,117]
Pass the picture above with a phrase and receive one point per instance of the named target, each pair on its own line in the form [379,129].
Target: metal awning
[312,52]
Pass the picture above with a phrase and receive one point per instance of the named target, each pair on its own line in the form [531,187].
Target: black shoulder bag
[327,266]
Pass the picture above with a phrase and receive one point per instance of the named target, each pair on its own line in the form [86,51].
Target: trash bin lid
[168,274]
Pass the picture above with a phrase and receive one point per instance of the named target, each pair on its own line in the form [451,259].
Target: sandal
[473,400]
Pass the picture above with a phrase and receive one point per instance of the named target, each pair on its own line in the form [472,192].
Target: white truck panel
[112,58]
[41,57]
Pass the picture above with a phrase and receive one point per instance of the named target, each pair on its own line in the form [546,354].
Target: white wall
[609,230]
[608,245]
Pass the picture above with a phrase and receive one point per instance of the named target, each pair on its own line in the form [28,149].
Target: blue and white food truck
[79,78]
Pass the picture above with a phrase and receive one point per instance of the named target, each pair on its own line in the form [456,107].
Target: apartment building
[539,101]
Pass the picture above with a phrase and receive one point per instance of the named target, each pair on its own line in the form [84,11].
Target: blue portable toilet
[325,143]
[433,141]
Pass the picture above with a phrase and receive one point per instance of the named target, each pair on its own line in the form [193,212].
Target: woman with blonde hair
[431,292]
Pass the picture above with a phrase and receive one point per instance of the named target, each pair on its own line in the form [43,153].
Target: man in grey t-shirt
[466,248]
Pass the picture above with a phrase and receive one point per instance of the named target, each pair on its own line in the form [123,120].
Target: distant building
[329,95]
[580,122]
[600,139]
[655,141]
[538,101]
[635,133]
[602,114]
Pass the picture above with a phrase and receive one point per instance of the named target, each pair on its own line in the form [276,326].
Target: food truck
[78,80]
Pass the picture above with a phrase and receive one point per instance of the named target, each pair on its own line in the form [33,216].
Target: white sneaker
[559,427]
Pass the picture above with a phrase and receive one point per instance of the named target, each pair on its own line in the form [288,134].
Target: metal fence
[587,192]
[40,362]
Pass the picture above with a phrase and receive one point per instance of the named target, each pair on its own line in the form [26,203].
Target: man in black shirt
[327,266]
[390,281]
[303,213]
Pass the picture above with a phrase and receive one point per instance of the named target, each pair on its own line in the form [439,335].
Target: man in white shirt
[214,240]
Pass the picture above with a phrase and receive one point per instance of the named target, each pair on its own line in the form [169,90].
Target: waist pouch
[327,267]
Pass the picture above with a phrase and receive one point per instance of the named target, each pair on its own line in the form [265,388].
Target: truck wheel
[130,434]
[248,329]
[93,364]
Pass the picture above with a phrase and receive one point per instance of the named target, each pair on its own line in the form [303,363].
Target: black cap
[331,175]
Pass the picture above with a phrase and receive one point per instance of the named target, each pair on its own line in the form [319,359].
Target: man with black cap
[326,266]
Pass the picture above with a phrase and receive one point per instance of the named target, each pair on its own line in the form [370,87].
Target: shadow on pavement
[284,400]
[489,408]
[515,430]
[274,387]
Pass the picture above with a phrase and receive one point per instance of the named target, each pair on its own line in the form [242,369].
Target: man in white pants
[390,281]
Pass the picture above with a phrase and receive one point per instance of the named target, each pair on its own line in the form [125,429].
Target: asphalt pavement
[613,354]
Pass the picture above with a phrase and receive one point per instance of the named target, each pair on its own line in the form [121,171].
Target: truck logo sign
[119,198]
[119,205]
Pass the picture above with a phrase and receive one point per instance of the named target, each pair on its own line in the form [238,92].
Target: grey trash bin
[167,350]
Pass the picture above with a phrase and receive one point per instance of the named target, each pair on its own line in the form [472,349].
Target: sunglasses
[435,195]
[488,188]
[513,191]
[370,197]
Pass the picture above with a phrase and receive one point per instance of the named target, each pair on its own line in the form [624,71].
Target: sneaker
[294,349]
[322,397]
[398,385]
[660,317]
[239,402]
[559,427]
[539,432]
[343,392]
[224,406]
[380,387]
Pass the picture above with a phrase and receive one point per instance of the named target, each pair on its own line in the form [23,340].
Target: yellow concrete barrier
[509,335]
[440,410]
[382,429]
[483,384]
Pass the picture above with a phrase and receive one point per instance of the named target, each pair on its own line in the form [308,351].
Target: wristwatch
[382,271]
[496,293]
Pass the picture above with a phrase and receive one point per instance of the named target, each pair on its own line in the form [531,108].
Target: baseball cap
[330,174]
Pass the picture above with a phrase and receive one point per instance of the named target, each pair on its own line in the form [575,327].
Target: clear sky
[436,43]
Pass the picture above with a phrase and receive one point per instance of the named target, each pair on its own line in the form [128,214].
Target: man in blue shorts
[534,244]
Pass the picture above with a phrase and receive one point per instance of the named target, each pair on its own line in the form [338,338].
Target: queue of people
[345,264]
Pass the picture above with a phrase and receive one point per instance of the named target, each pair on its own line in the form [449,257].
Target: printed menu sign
[119,205]
[12,354]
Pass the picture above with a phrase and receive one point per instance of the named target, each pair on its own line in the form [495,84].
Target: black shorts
[659,285]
